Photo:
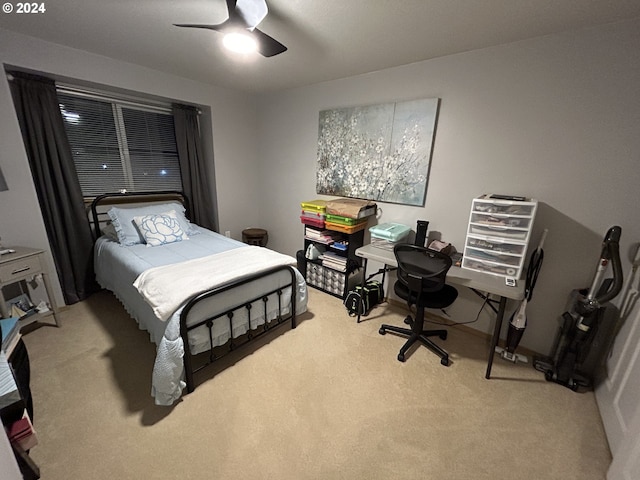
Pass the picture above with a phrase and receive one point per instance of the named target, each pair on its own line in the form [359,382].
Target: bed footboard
[254,331]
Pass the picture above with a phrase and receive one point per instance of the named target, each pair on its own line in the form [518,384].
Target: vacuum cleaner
[588,327]
[518,321]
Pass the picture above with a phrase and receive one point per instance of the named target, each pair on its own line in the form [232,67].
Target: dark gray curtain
[56,183]
[193,168]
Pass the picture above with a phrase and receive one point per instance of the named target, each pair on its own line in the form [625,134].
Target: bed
[187,285]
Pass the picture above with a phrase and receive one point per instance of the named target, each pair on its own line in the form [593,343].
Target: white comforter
[165,288]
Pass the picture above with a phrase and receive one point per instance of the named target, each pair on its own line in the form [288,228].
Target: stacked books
[11,404]
[10,334]
[334,261]
[323,236]
[22,433]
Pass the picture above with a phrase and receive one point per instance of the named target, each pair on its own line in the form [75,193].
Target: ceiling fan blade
[218,28]
[231,6]
[267,46]
[248,13]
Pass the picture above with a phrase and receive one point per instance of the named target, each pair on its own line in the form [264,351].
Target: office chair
[421,282]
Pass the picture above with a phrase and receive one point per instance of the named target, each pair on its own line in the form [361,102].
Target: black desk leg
[496,335]
[364,275]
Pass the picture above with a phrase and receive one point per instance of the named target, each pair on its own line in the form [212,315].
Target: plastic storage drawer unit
[498,235]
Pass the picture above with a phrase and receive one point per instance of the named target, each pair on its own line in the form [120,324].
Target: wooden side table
[24,264]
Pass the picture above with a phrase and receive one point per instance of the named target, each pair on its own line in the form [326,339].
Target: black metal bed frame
[126,198]
[251,335]
[255,332]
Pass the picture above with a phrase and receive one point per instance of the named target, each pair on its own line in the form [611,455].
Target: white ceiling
[327,39]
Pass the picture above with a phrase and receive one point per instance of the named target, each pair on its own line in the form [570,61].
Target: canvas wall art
[377,152]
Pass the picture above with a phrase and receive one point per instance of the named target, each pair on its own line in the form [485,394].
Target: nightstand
[24,264]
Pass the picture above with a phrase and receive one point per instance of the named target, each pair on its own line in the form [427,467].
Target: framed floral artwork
[377,152]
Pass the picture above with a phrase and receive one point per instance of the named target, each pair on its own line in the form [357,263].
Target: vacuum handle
[612,237]
[611,251]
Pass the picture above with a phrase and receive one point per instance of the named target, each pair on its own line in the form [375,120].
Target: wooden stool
[255,236]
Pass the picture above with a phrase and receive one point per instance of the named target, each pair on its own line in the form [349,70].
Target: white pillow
[128,233]
[160,229]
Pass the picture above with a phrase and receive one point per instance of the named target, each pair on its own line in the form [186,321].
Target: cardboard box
[351,207]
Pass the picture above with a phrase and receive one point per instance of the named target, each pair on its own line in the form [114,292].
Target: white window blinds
[117,145]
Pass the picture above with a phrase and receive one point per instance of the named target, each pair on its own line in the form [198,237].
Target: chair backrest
[421,269]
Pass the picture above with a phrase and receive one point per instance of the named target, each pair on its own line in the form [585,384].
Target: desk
[477,281]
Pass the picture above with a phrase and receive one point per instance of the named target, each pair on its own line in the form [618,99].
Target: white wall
[554,118]
[233,126]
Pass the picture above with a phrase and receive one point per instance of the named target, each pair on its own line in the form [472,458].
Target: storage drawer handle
[20,270]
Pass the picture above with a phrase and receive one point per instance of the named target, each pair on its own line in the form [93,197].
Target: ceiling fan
[244,16]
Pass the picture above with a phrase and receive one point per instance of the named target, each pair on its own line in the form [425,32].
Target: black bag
[361,300]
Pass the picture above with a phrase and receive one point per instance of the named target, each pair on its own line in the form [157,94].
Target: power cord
[453,324]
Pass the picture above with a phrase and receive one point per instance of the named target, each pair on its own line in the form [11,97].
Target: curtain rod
[130,100]
[164,107]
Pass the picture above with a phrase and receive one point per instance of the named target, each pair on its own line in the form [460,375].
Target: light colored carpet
[327,400]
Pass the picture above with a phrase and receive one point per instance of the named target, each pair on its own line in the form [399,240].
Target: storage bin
[345,228]
[500,220]
[393,232]
[314,222]
[496,245]
[340,220]
[487,267]
[314,206]
[497,231]
[315,215]
[315,275]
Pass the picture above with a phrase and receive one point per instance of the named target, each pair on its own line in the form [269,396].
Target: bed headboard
[102,203]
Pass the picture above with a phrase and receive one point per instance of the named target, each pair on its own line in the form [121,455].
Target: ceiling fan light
[240,42]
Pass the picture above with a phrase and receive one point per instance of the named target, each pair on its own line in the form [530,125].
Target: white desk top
[456,275]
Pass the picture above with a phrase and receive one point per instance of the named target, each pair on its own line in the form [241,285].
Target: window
[117,145]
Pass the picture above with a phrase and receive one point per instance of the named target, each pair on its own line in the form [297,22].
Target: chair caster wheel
[401,357]
[407,321]
[382,331]
[445,361]
[443,336]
